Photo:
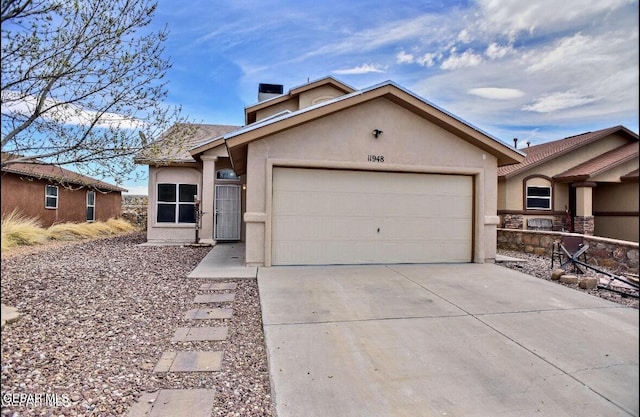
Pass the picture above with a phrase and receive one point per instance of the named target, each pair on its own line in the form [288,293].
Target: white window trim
[92,205]
[526,199]
[47,196]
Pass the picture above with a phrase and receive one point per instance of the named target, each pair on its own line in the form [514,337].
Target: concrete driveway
[444,340]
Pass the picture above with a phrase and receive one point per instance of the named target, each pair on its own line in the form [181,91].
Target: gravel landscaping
[97,315]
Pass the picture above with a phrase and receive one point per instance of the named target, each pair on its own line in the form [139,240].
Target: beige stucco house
[586,183]
[326,174]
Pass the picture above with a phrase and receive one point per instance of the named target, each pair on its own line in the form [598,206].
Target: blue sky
[538,71]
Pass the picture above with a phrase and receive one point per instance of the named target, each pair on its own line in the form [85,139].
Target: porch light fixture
[377,132]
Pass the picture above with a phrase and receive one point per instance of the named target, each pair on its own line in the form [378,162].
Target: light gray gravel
[97,316]
[540,266]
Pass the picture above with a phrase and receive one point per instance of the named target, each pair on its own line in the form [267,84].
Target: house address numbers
[375,158]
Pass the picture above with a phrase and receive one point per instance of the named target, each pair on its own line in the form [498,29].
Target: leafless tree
[82,83]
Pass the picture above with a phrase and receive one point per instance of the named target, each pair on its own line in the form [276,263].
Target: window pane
[51,202]
[538,192]
[166,213]
[90,214]
[91,198]
[187,213]
[187,192]
[539,203]
[166,192]
[52,191]
[226,174]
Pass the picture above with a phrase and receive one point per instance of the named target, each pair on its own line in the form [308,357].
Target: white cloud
[495,51]
[467,59]
[496,93]
[404,58]
[429,59]
[558,101]
[362,69]
[465,36]
[65,113]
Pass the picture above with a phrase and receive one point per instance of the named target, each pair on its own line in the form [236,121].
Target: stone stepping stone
[209,313]
[219,286]
[193,334]
[204,361]
[175,403]
[214,298]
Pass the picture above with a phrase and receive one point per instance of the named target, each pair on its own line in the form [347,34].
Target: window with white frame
[538,198]
[176,203]
[91,206]
[51,197]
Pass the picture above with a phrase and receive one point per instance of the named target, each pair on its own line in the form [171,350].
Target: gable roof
[539,154]
[600,163]
[57,174]
[173,146]
[238,140]
[251,111]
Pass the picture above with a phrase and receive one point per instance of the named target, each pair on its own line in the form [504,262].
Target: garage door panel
[345,217]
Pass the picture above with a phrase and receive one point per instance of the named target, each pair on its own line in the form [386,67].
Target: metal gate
[228,212]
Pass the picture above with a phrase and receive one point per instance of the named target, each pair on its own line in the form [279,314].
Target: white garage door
[322,217]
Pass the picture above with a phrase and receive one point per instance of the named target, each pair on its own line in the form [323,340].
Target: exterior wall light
[377,132]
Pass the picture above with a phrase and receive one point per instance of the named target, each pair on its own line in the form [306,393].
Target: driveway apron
[444,340]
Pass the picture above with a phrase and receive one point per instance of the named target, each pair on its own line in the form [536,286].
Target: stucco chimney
[267,91]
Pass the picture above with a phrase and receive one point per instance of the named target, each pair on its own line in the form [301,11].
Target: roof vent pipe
[515,143]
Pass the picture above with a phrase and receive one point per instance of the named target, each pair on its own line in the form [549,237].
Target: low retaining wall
[618,256]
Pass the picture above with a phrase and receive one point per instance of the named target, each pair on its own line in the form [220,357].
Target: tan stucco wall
[344,140]
[617,198]
[291,105]
[317,95]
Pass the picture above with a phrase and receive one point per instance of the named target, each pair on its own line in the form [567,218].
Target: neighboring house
[326,174]
[52,194]
[586,183]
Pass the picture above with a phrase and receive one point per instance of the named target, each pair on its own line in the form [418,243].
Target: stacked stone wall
[618,256]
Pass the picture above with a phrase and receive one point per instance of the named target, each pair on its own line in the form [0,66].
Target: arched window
[538,193]
[227,174]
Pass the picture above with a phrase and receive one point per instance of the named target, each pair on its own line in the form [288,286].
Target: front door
[228,212]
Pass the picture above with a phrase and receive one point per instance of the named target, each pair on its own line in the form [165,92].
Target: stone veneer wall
[618,256]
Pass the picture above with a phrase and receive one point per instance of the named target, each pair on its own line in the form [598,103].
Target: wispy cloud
[496,93]
[362,69]
[558,101]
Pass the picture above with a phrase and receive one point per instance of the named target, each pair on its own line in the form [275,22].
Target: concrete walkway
[472,340]
[224,261]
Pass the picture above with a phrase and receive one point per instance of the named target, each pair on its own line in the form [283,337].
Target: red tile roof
[57,174]
[538,154]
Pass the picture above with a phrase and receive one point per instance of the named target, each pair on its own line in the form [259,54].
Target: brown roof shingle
[538,154]
[174,144]
[58,174]
[600,163]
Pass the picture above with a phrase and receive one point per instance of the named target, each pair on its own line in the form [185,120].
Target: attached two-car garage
[324,216]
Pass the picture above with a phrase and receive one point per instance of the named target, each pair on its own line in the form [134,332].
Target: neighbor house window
[538,198]
[51,197]
[91,206]
[176,203]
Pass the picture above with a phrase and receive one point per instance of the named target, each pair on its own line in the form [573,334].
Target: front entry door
[228,213]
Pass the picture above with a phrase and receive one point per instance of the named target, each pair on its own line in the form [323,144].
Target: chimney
[267,91]
[515,143]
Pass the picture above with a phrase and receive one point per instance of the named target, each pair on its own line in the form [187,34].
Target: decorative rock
[556,274]
[9,314]
[588,283]
[569,279]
